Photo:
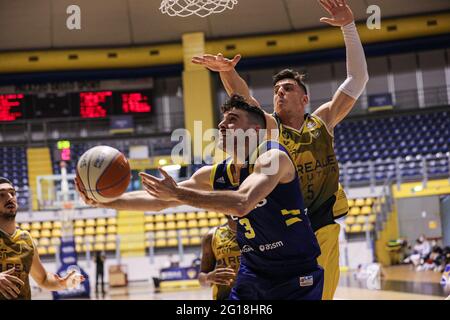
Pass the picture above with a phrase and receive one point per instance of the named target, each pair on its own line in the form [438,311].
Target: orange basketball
[104,173]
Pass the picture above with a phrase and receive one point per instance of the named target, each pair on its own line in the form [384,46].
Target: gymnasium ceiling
[41,24]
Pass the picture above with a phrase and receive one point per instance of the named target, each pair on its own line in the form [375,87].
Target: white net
[202,8]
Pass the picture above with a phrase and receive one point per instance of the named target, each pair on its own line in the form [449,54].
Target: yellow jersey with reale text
[17,251]
[227,254]
[312,148]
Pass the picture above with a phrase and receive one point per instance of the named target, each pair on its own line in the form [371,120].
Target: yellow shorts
[328,238]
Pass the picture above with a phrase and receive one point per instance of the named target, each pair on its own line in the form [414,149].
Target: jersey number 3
[249,232]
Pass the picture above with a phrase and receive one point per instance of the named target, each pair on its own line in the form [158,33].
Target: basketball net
[201,8]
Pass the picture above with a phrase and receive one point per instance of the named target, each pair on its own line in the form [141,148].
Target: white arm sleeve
[357,75]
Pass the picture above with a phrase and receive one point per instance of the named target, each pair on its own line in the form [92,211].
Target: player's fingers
[325,5]
[236,59]
[13,289]
[15,280]
[327,20]
[165,174]
[209,57]
[333,3]
[149,177]
[225,270]
[5,293]
[67,276]
[9,271]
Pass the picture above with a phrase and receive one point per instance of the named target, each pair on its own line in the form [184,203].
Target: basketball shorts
[328,238]
[249,286]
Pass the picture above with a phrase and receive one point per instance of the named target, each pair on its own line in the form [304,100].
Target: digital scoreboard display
[86,105]
[12,107]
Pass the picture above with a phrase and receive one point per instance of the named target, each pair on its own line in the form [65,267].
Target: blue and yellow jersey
[312,149]
[226,251]
[17,252]
[276,237]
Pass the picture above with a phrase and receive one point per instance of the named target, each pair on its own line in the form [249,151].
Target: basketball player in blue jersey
[278,247]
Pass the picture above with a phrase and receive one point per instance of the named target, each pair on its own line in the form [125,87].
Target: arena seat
[171,225]
[169,217]
[180,216]
[111,229]
[100,222]
[149,227]
[191,216]
[201,215]
[195,241]
[181,224]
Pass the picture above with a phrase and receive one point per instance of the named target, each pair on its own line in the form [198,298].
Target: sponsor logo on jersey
[271,246]
[262,203]
[220,180]
[246,249]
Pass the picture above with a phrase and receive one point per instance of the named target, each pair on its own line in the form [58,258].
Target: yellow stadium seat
[90,223]
[100,238]
[25,226]
[110,246]
[211,215]
[79,239]
[192,224]
[57,224]
[185,241]
[56,233]
[160,235]
[223,220]
[214,222]
[55,241]
[160,226]
[372,218]
[160,243]
[78,248]
[149,227]
[195,241]
[79,224]
[181,224]
[101,222]
[356,228]
[111,229]
[347,229]
[51,250]
[180,216]
[47,225]
[350,220]
[184,232]
[89,231]
[361,219]
[194,232]
[44,242]
[111,238]
[204,231]
[351,202]
[42,250]
[89,239]
[191,216]
[171,234]
[171,225]
[100,230]
[169,217]
[172,242]
[369,201]
[203,222]
[201,215]
[359,202]
[354,211]
[112,220]
[46,233]
[368,227]
[159,218]
[36,226]
[99,246]
[35,234]
[366,210]
[87,247]
[149,218]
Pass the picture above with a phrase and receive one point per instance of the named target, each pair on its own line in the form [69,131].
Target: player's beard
[8,214]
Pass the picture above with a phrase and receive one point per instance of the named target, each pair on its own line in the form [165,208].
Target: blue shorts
[249,286]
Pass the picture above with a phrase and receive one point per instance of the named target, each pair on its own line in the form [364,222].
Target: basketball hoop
[202,8]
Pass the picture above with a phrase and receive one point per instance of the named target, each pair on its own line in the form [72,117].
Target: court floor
[399,283]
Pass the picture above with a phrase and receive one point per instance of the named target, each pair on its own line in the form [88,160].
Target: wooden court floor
[399,283]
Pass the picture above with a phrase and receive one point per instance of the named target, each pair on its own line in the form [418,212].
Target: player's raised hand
[10,284]
[217,62]
[223,276]
[67,281]
[84,196]
[340,12]
[163,189]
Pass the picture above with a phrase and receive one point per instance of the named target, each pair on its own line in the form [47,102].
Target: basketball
[104,173]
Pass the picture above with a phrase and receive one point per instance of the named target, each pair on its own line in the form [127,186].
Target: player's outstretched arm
[231,80]
[271,168]
[48,280]
[345,97]
[209,274]
[142,201]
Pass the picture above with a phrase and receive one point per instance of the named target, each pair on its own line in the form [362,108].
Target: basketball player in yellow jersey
[18,254]
[220,259]
[309,137]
